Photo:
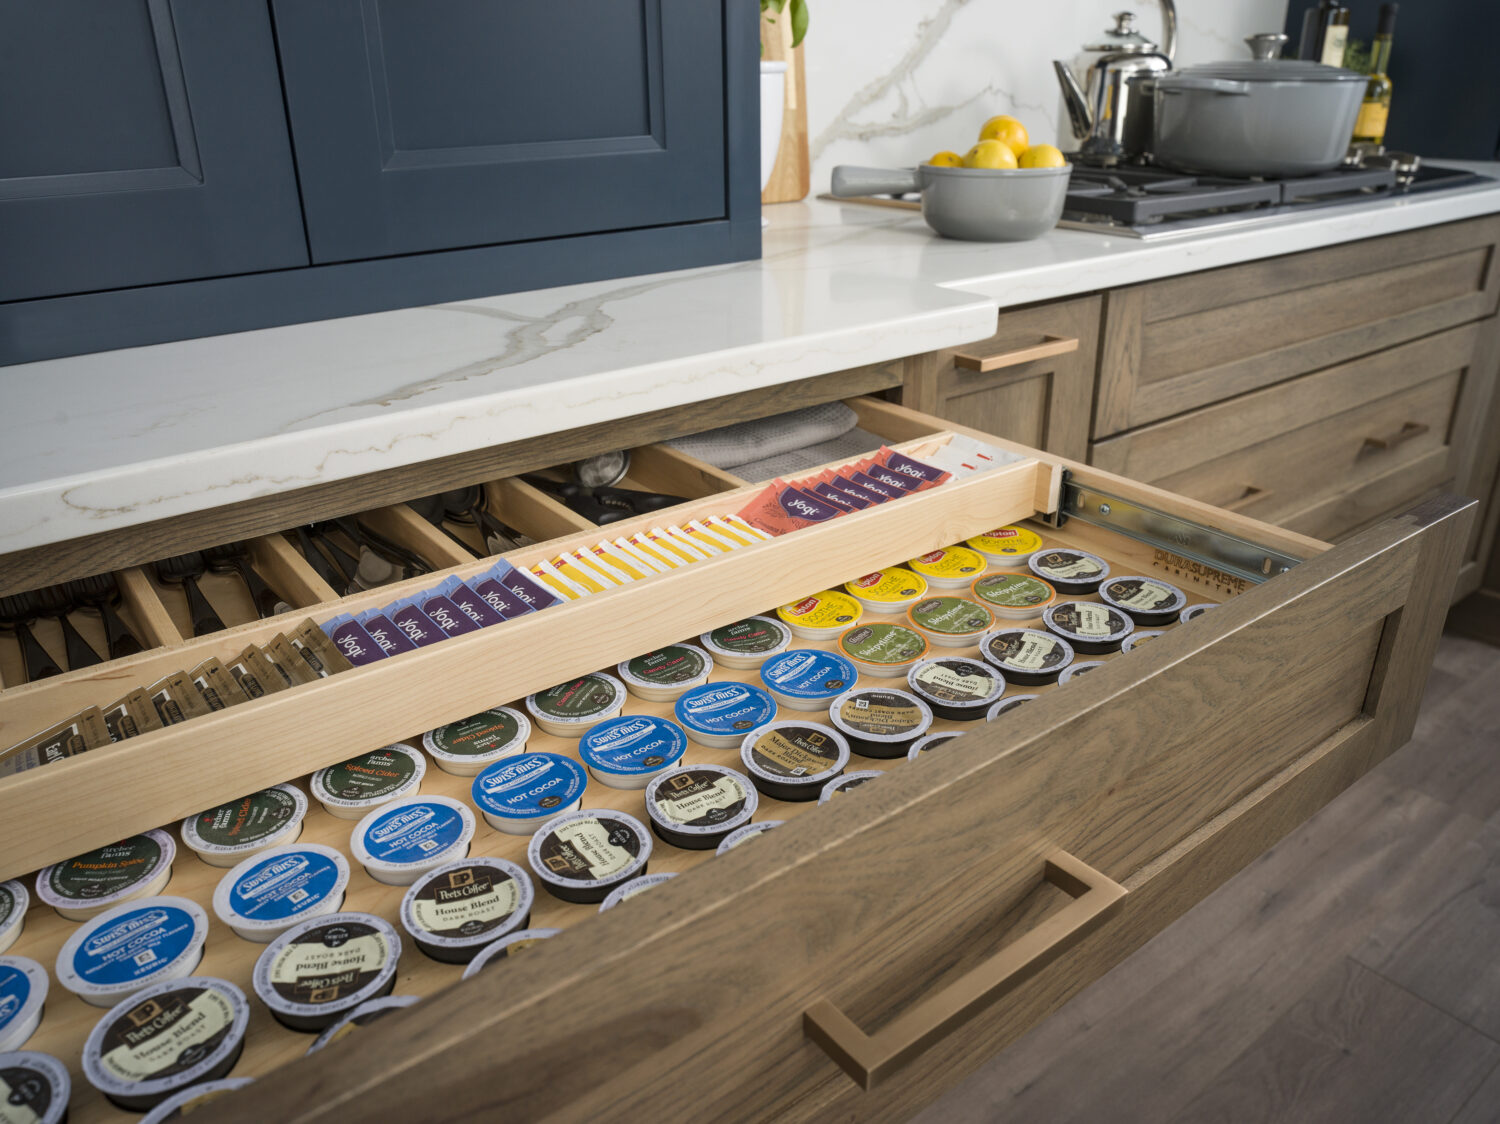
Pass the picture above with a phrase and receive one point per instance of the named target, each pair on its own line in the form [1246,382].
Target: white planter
[772,107]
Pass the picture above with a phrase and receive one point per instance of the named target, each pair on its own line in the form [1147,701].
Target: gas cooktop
[1151,203]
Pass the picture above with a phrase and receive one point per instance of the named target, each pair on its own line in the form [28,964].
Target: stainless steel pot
[1257,117]
[975,204]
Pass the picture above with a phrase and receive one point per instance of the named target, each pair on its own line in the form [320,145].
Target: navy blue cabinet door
[434,124]
[141,141]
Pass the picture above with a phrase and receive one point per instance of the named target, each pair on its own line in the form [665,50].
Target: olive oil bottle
[1375,110]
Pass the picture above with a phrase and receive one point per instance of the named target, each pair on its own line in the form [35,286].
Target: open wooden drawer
[891,940]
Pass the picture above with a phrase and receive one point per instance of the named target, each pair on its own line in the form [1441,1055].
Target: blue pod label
[284,886]
[529,785]
[135,945]
[808,673]
[15,990]
[413,832]
[725,708]
[633,743]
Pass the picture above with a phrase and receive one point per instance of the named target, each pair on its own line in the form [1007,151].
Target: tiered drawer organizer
[979,887]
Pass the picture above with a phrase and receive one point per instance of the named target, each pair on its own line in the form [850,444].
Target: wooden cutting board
[791,178]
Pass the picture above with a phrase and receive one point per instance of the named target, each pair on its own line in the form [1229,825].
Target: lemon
[1008,131]
[946,159]
[1043,156]
[990,154]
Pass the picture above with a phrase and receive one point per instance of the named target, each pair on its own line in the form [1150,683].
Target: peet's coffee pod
[14,902]
[793,760]
[570,708]
[355,954]
[1148,601]
[521,793]
[1073,671]
[1090,627]
[368,1012]
[1193,612]
[880,722]
[634,887]
[453,911]
[193,1098]
[747,643]
[1006,705]
[350,789]
[664,674]
[241,828]
[87,885]
[507,947]
[749,831]
[928,742]
[35,1088]
[957,689]
[398,843]
[719,715]
[627,752]
[1136,639]
[1071,572]
[847,783]
[584,855]
[465,747]
[270,892]
[1009,547]
[885,651]
[696,806]
[951,622]
[1027,656]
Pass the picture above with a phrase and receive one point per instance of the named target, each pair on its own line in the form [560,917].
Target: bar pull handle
[1050,346]
[871,1058]
[1400,437]
[1252,495]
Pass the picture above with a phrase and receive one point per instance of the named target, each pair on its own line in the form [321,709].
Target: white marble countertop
[98,442]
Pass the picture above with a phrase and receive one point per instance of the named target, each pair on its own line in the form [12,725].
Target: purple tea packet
[850,488]
[358,646]
[445,614]
[391,639]
[865,481]
[920,471]
[806,505]
[417,625]
[836,497]
[476,608]
[520,589]
[892,479]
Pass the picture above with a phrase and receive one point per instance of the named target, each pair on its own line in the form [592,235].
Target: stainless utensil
[975,204]
[1112,117]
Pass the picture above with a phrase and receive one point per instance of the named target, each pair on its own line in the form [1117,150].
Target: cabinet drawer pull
[1400,437]
[870,1058]
[1252,495]
[1050,345]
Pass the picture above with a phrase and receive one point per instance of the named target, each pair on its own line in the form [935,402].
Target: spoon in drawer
[57,603]
[102,593]
[16,613]
[185,570]
[234,557]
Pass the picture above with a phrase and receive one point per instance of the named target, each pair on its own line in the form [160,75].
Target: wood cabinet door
[1032,381]
[422,125]
[142,141]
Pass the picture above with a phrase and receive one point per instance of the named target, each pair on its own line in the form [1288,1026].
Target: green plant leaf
[799,21]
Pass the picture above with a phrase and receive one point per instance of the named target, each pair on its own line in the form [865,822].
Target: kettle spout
[1079,114]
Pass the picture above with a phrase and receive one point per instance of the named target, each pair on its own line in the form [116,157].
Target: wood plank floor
[1351,974]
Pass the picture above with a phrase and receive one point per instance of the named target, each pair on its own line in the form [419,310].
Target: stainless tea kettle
[1113,119]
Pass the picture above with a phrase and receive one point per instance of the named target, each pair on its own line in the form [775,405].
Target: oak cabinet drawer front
[876,901]
[1171,346]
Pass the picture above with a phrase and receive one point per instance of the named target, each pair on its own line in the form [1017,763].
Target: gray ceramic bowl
[975,204]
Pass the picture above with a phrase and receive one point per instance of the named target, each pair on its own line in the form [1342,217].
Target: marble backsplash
[889,82]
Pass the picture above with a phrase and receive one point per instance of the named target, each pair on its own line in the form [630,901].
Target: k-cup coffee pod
[1073,671]
[193,1099]
[87,885]
[1193,612]
[23,995]
[520,794]
[634,887]
[664,674]
[570,708]
[366,1014]
[697,806]
[627,752]
[15,901]
[822,616]
[740,835]
[352,788]
[1006,705]
[584,855]
[1136,639]
[882,650]
[166,1038]
[892,590]
[928,742]
[268,893]
[400,842]
[235,830]
[34,1088]
[951,622]
[848,782]
[321,969]
[807,678]
[1090,627]
[748,643]
[507,947]
[455,910]
[1070,572]
[880,722]
[957,689]
[131,947]
[793,760]
[1014,596]
[466,747]
[1148,601]
[720,714]
[1006,547]
[953,567]
[1027,656]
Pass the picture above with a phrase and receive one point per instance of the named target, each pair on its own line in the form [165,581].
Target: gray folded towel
[744,443]
[846,447]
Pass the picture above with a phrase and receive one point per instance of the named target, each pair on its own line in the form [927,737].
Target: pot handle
[1178,83]
[850,181]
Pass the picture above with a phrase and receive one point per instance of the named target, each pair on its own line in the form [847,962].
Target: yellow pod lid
[829,609]
[895,585]
[950,562]
[1007,541]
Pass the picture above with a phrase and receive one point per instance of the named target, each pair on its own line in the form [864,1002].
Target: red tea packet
[780,507]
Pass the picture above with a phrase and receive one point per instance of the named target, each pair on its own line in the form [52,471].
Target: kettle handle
[850,181]
[1179,83]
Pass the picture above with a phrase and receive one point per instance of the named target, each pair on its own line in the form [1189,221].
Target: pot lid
[1270,70]
[1122,37]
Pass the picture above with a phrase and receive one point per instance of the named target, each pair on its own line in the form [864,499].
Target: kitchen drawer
[1021,862]
[1174,345]
[1322,454]
[1031,382]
